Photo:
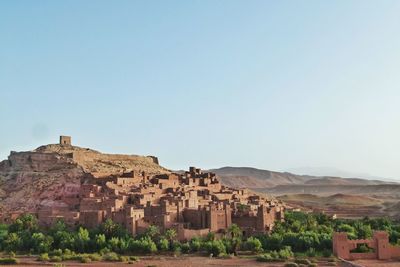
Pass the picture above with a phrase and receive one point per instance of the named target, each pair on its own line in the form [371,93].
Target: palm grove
[301,233]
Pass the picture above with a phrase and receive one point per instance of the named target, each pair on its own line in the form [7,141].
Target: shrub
[303,261]
[68,255]
[326,253]
[266,257]
[111,256]
[285,253]
[55,259]
[134,258]
[253,244]
[291,264]
[43,257]
[215,247]
[56,252]
[195,244]
[95,257]
[311,252]
[84,259]
[313,265]
[185,247]
[124,258]
[144,245]
[163,244]
[8,261]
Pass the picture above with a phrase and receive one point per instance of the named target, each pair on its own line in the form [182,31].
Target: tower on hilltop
[65,140]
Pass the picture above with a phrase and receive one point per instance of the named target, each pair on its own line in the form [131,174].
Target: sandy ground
[377,263]
[166,261]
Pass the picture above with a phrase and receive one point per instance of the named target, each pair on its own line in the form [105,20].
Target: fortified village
[194,203]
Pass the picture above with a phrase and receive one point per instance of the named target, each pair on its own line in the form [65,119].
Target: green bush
[43,257]
[8,261]
[280,255]
[95,257]
[85,259]
[134,258]
[215,247]
[266,257]
[163,244]
[185,247]
[326,253]
[291,264]
[285,253]
[313,265]
[55,259]
[253,244]
[111,256]
[56,252]
[177,251]
[195,244]
[311,252]
[303,261]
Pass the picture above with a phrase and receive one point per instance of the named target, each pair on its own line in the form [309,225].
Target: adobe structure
[85,187]
[382,249]
[65,140]
[193,203]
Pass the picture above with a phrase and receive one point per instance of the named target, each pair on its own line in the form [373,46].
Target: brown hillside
[44,175]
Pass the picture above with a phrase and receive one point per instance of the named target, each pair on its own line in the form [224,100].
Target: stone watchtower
[65,140]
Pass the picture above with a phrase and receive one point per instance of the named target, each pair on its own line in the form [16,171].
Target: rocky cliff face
[29,180]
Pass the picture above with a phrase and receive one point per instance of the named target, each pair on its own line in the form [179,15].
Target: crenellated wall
[383,250]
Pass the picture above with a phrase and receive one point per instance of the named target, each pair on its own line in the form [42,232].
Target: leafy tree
[111,229]
[170,235]
[13,242]
[41,243]
[82,240]
[215,247]
[26,222]
[64,240]
[100,241]
[163,244]
[235,233]
[195,244]
[253,244]
[362,231]
[152,231]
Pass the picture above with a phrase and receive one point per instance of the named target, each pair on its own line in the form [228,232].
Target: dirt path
[167,261]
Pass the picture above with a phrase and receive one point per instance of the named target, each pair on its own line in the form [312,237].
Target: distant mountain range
[345,197]
[335,172]
[256,179]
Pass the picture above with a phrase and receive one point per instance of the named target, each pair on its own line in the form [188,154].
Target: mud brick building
[89,187]
[382,249]
[194,203]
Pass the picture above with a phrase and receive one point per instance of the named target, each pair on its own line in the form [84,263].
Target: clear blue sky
[268,84]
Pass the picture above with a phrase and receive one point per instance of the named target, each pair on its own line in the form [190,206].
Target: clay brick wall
[196,218]
[187,234]
[395,251]
[91,219]
[380,243]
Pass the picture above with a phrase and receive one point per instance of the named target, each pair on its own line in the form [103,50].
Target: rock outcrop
[29,180]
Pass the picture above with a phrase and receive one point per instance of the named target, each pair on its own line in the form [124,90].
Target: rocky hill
[256,178]
[41,177]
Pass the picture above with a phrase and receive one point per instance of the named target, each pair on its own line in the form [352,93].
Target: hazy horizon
[271,85]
